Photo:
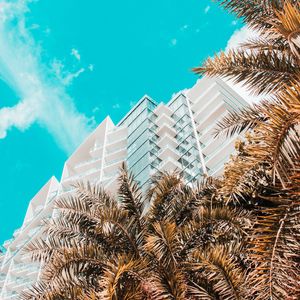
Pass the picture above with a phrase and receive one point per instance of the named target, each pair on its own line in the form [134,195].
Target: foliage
[264,175]
[270,62]
[176,242]
[237,237]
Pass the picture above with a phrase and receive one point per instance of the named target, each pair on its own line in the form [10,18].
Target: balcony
[218,169]
[198,102]
[168,151]
[166,129]
[169,164]
[121,150]
[96,151]
[211,117]
[112,144]
[164,120]
[88,173]
[163,109]
[167,140]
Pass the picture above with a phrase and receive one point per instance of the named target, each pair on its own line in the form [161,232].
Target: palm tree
[175,242]
[264,175]
[233,238]
[268,63]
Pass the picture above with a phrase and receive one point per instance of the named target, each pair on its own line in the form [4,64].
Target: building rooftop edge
[135,106]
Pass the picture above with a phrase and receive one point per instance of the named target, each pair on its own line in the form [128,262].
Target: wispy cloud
[237,38]
[43,97]
[207,9]
[76,54]
[91,67]
[116,106]
[66,77]
[95,109]
[173,42]
[240,36]
[184,27]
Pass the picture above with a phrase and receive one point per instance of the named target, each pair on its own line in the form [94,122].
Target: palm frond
[275,251]
[287,26]
[224,272]
[236,122]
[260,71]
[170,284]
[256,13]
[163,243]
[266,43]
[165,195]
[121,279]
[130,195]
[219,225]
[66,271]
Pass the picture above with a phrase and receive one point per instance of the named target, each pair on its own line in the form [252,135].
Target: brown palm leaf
[262,71]
[275,253]
[222,269]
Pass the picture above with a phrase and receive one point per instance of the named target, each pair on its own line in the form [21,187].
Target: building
[151,137]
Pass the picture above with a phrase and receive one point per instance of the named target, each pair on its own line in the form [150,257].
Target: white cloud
[91,67]
[76,54]
[95,109]
[184,27]
[240,36]
[62,74]
[234,23]
[173,42]
[116,106]
[47,31]
[20,116]
[237,38]
[34,26]
[42,93]
[207,9]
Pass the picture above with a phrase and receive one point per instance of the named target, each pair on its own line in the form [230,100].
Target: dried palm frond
[236,122]
[130,195]
[287,26]
[215,226]
[273,145]
[223,270]
[256,13]
[167,190]
[271,60]
[262,71]
[66,272]
[122,279]
[167,284]
[100,247]
[163,243]
[275,252]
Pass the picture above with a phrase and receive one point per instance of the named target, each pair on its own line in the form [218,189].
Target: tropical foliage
[265,173]
[174,243]
[237,237]
[270,61]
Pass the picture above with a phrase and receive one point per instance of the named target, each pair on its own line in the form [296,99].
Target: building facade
[151,137]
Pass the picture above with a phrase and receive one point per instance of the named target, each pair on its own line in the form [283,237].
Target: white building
[151,137]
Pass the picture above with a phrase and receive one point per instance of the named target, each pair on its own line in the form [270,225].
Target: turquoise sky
[66,64]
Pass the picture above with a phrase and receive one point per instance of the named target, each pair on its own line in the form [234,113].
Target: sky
[66,64]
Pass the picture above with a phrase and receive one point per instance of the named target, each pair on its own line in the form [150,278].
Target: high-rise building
[151,137]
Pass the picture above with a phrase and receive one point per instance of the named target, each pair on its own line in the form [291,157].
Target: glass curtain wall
[187,145]
[141,140]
